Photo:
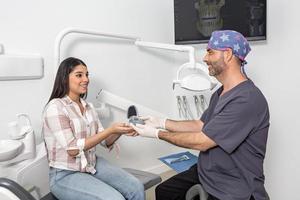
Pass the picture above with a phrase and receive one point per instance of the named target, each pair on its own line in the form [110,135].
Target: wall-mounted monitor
[195,20]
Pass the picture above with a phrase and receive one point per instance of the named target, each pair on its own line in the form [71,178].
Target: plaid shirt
[63,127]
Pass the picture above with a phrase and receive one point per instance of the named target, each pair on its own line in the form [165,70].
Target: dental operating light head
[197,79]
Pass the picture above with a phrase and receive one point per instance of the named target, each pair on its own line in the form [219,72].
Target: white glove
[146,131]
[155,122]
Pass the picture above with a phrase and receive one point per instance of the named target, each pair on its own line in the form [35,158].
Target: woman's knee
[135,189]
[136,185]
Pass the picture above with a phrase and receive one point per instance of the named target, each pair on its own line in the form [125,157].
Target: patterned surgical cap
[221,40]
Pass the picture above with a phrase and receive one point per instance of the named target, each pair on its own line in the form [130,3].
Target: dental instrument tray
[180,161]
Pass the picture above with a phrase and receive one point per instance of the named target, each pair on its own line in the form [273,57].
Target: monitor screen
[195,20]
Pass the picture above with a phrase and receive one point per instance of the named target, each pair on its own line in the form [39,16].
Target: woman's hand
[116,130]
[133,133]
[121,128]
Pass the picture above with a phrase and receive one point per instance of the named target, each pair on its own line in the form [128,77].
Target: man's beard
[216,68]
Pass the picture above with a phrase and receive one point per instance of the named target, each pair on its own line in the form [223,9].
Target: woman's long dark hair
[61,84]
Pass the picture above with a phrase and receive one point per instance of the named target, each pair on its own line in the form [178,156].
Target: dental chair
[10,190]
[148,179]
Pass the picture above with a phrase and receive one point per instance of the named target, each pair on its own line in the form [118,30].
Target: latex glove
[155,122]
[146,131]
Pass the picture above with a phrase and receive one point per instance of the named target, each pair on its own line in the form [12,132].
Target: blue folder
[180,161]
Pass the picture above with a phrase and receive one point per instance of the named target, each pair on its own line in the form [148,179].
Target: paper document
[180,161]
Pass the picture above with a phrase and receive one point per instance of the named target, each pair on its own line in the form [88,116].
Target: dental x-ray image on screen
[195,20]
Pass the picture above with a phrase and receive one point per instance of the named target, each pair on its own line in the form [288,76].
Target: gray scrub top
[238,121]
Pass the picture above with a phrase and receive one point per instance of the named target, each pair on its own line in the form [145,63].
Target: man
[231,134]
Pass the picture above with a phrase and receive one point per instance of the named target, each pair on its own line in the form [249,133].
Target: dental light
[198,80]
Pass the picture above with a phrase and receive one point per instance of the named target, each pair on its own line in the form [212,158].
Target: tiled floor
[150,193]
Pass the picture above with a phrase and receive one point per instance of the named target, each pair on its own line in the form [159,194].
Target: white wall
[145,76]
[274,66]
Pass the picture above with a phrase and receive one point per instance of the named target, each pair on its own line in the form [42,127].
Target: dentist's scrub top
[238,121]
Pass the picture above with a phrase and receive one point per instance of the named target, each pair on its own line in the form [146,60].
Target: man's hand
[146,131]
[155,122]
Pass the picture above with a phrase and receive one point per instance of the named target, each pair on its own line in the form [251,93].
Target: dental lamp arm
[172,47]
[71,30]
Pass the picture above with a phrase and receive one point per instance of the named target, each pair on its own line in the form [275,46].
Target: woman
[71,131]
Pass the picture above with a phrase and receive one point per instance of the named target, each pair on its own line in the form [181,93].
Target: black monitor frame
[194,20]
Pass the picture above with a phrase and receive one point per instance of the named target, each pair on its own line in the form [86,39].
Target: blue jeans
[109,182]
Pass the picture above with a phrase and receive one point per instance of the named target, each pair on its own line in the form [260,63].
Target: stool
[194,191]
[197,190]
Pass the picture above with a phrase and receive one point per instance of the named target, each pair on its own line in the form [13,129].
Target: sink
[9,149]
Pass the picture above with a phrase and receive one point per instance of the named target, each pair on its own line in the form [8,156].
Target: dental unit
[21,160]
